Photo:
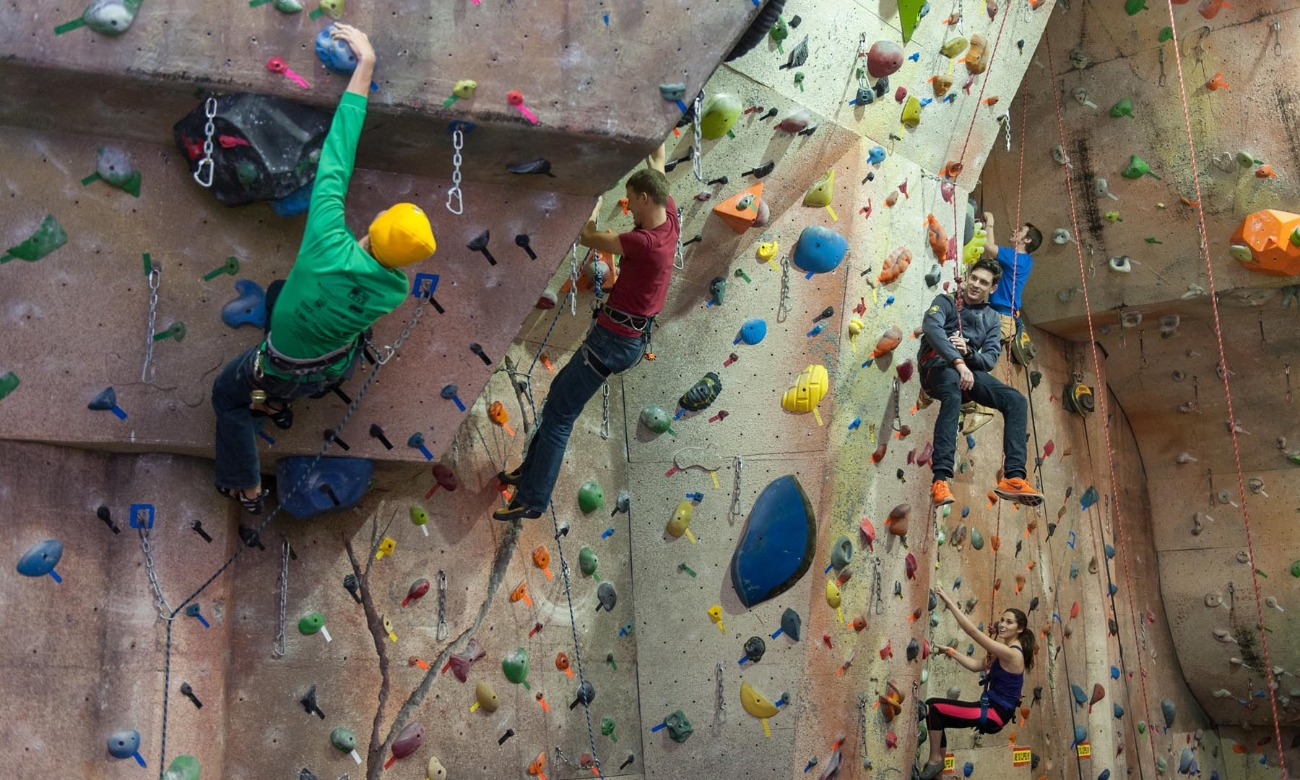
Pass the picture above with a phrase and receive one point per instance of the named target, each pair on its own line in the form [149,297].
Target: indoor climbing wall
[1111,180]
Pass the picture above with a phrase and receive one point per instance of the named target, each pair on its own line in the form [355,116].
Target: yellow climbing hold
[768,249]
[975,247]
[807,391]
[485,697]
[912,111]
[715,614]
[855,328]
[758,705]
[954,47]
[464,89]
[681,522]
[832,594]
[820,193]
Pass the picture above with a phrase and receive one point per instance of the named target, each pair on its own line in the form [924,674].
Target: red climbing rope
[1227,392]
[1101,397]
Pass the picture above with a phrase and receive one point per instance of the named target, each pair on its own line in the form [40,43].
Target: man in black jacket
[961,344]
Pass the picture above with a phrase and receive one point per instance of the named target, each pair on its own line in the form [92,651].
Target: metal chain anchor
[203,173]
[679,260]
[734,511]
[164,609]
[155,279]
[604,423]
[454,194]
[697,167]
[720,705]
[278,649]
[783,305]
[573,280]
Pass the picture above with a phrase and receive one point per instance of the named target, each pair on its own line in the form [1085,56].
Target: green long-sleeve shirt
[335,289]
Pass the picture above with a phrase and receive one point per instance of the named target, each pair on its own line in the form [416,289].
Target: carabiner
[205,165]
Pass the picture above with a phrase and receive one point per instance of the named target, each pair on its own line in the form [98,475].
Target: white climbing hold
[1271,603]
[1223,635]
[1184,457]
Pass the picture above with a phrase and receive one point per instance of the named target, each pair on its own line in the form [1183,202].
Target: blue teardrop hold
[347,478]
[335,55]
[819,249]
[103,402]
[247,309]
[753,331]
[777,545]
[123,743]
[41,558]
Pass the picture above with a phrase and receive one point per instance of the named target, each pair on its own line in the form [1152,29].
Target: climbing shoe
[515,511]
[931,771]
[940,494]
[509,477]
[253,506]
[1017,490]
[280,413]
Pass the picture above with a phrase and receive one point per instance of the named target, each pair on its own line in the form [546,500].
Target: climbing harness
[269,355]
[203,173]
[148,371]
[697,167]
[278,649]
[639,323]
[454,194]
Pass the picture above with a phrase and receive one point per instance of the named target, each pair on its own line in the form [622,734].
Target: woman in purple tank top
[1009,653]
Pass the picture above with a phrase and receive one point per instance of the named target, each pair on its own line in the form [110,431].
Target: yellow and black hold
[703,393]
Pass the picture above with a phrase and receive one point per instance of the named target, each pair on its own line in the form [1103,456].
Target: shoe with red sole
[940,494]
[1017,490]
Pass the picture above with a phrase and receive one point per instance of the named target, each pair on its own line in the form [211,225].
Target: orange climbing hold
[1272,241]
[895,265]
[1210,8]
[1265,171]
[740,210]
[587,280]
[888,341]
[1217,83]
[938,238]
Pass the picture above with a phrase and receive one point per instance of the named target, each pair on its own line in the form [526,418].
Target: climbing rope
[1227,393]
[151,570]
[1101,400]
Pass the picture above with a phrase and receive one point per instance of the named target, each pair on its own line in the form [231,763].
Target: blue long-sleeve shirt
[980,325]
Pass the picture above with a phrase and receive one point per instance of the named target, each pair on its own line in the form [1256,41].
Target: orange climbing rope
[1101,397]
[1227,391]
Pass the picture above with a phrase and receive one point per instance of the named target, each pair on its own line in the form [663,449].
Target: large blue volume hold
[334,54]
[819,250]
[41,558]
[249,308]
[776,548]
[333,485]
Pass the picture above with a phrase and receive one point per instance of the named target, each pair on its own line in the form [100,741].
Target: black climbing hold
[308,703]
[798,55]
[480,244]
[477,349]
[353,586]
[378,433]
[197,527]
[754,648]
[250,537]
[537,166]
[932,278]
[865,97]
[523,242]
[881,86]
[586,694]
[702,394]
[103,514]
[509,733]
[761,170]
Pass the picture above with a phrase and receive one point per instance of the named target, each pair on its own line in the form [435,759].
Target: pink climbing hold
[884,59]
[905,370]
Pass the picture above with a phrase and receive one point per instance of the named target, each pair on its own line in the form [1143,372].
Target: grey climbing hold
[841,553]
[607,597]
[791,623]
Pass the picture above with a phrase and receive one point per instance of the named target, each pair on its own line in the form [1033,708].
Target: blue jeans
[602,354]
[238,466]
[940,380]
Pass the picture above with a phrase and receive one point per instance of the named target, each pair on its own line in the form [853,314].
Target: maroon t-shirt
[644,272]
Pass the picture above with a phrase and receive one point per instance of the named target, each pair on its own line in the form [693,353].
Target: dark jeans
[940,380]
[238,466]
[602,354]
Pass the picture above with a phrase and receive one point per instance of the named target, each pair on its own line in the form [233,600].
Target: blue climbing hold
[1080,735]
[967,769]
[819,250]
[249,308]
[123,743]
[970,441]
[41,558]
[1089,498]
[335,55]
[1114,673]
[1105,775]
[1112,587]
[1117,710]
[964,512]
[1074,570]
[1080,698]
[1168,709]
[777,545]
[1185,761]
[752,332]
[1110,552]
[334,484]
[876,155]
[294,203]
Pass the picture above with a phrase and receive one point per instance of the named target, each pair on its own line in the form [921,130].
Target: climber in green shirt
[338,287]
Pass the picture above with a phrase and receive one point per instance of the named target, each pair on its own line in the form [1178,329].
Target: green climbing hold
[47,238]
[1137,168]
[909,15]
[780,31]
[114,167]
[343,739]
[1166,34]
[1142,727]
[106,17]
[1294,457]
[419,515]
[311,623]
[1132,7]
[8,383]
[183,768]
[591,496]
[288,6]
[976,539]
[515,666]
[679,728]
[1241,253]
[1247,160]
[719,115]
[1295,237]
[1161,765]
[246,172]
[587,561]
[655,419]
[1295,569]
[1122,108]
[607,728]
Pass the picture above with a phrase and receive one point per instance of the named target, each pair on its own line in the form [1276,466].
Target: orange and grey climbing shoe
[1017,490]
[940,495]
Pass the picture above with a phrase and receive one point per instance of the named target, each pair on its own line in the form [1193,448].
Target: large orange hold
[740,210]
[1268,234]
[895,264]
[938,238]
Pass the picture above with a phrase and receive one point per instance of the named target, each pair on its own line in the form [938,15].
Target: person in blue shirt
[1017,261]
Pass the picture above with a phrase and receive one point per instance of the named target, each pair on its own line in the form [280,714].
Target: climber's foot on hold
[1017,490]
[509,477]
[253,500]
[940,494]
[516,511]
[931,771]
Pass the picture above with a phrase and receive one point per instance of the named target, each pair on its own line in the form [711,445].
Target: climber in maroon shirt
[618,335]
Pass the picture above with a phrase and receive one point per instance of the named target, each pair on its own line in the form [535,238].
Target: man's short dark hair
[1033,239]
[648,181]
[985,264]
